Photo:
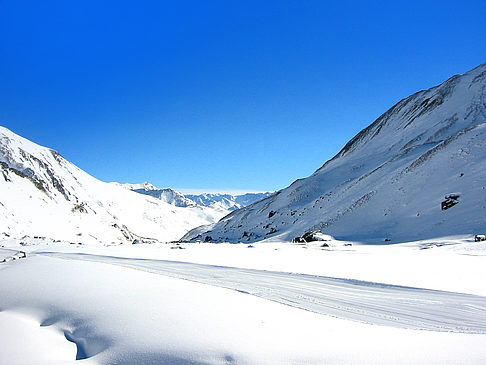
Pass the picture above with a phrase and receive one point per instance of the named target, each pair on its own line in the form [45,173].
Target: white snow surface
[390,180]
[43,194]
[120,305]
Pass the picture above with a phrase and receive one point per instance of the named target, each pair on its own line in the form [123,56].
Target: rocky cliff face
[390,180]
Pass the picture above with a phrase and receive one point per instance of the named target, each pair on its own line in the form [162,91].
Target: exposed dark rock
[39,184]
[55,182]
[448,204]
[298,240]
[314,236]
[5,176]
[81,208]
[450,201]
[272,231]
[453,196]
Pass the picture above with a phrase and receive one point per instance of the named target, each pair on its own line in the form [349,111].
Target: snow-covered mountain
[418,171]
[227,201]
[218,201]
[167,195]
[43,194]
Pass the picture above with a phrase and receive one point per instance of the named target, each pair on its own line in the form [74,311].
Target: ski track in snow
[368,302]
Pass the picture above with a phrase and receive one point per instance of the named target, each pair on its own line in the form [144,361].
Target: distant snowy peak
[227,201]
[169,196]
[166,195]
[142,186]
[219,201]
[392,181]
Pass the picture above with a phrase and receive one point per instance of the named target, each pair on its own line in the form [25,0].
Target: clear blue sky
[220,95]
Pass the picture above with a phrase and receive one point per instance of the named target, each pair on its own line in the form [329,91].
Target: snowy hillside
[227,201]
[418,171]
[43,194]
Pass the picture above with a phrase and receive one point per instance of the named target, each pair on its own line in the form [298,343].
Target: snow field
[119,315]
[123,316]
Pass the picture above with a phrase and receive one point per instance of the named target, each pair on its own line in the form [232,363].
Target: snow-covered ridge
[390,180]
[142,186]
[43,194]
[168,195]
[219,201]
[227,201]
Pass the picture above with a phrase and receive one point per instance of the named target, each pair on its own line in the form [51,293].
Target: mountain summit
[418,171]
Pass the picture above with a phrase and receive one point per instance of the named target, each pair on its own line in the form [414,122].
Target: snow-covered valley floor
[190,303]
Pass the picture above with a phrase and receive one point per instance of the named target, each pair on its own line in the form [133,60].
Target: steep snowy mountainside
[390,180]
[227,201]
[43,194]
[167,195]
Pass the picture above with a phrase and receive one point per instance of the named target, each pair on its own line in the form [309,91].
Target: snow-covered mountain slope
[391,181]
[43,194]
[227,201]
[167,195]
